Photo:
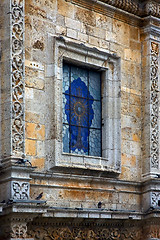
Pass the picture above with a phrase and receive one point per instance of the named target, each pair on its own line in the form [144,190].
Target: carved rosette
[20,191]
[154,106]
[17,75]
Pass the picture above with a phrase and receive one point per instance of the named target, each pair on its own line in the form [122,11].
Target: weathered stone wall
[125,181]
[95,30]
[80,25]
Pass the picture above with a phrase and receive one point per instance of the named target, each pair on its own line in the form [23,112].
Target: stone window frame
[60,50]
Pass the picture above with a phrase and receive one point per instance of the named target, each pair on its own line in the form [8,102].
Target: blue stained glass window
[81,111]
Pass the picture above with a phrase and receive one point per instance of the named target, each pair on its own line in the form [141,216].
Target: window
[81,111]
[83,108]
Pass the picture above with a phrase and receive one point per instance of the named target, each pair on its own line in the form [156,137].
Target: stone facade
[45,193]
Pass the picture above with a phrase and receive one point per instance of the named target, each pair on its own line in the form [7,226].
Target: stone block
[104,22]
[72,33]
[29,93]
[38,162]
[61,30]
[121,31]
[135,45]
[72,24]
[30,147]
[83,37]
[85,16]
[32,117]
[40,149]
[49,70]
[125,173]
[35,131]
[132,55]
[65,9]
[134,33]
[135,148]
[94,41]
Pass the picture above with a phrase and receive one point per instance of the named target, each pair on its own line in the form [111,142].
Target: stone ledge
[92,213]
[137,8]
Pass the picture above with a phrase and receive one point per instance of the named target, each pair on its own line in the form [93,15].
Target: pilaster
[150,36]
[12,80]
[150,99]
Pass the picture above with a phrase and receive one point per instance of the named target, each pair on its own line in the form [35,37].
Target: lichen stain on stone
[38,45]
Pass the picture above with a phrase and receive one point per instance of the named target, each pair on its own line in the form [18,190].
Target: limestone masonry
[48,193]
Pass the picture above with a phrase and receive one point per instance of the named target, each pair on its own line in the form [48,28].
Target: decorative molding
[93,233]
[152,8]
[154,106]
[126,5]
[17,75]
[137,8]
[20,190]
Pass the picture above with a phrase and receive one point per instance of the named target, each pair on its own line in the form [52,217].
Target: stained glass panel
[81,111]
[66,72]
[77,72]
[65,120]
[65,135]
[95,142]
[79,139]
[78,88]
[95,85]
[96,121]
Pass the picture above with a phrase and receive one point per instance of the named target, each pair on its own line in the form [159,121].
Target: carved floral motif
[17,65]
[20,190]
[155,197]
[154,106]
[152,231]
[19,231]
[85,233]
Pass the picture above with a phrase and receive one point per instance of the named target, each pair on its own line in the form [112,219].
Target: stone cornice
[126,5]
[139,8]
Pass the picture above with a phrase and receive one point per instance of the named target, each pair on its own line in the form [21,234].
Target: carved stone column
[150,109]
[12,137]
[150,100]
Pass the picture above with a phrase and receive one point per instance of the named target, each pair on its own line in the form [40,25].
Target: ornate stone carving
[20,190]
[19,231]
[127,5]
[155,196]
[152,8]
[154,106]
[152,231]
[46,233]
[17,70]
